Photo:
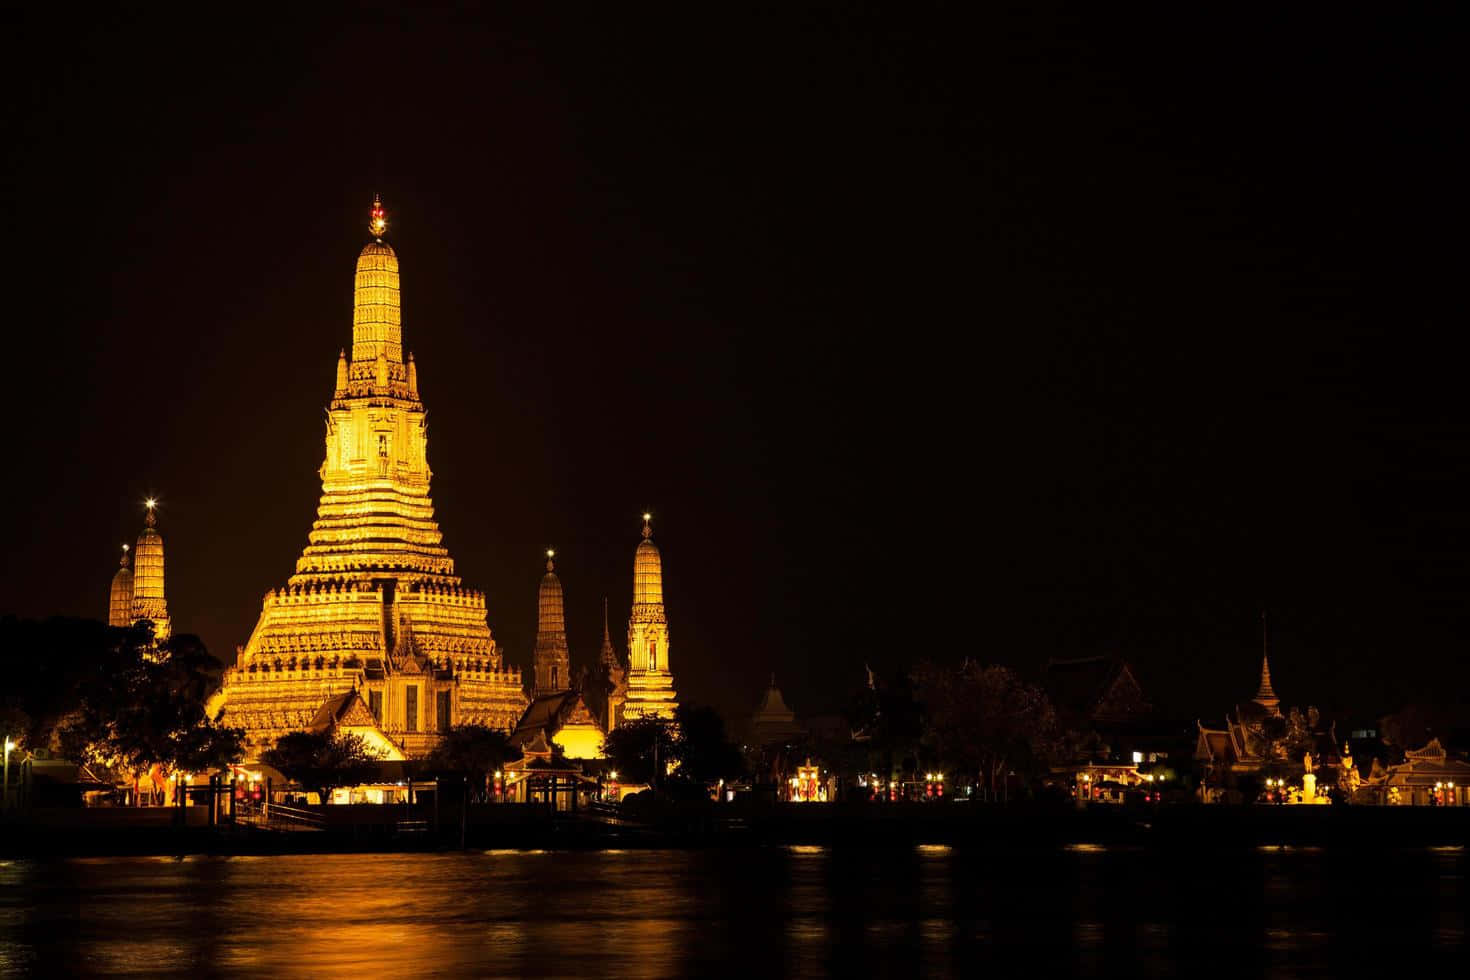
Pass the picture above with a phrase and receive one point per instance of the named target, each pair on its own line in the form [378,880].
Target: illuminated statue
[374,605]
[650,680]
[1348,779]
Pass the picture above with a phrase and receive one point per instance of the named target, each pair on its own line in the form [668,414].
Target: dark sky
[922,334]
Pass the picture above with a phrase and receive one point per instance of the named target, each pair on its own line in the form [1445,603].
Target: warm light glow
[379,221]
[150,503]
[550,553]
[126,546]
[613,774]
[648,517]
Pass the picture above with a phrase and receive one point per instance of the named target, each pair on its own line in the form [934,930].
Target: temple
[139,595]
[551,661]
[374,605]
[1241,745]
[650,688]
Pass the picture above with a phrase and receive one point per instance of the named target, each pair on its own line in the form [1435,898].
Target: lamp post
[5,785]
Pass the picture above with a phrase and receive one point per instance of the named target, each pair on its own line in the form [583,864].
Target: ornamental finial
[124,561]
[550,565]
[152,519]
[378,223]
[647,529]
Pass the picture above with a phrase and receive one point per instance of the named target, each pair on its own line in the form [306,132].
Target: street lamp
[5,786]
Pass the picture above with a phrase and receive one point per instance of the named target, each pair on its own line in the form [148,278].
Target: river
[772,911]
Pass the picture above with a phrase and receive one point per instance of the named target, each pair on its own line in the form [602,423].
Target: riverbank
[96,832]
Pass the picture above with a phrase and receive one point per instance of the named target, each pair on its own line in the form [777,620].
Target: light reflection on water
[931,911]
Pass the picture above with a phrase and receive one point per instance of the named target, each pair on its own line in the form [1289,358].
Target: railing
[274,816]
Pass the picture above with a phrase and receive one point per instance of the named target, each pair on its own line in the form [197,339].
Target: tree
[633,746]
[886,718]
[1413,725]
[704,753]
[471,750]
[45,663]
[134,704]
[322,761]
[986,719]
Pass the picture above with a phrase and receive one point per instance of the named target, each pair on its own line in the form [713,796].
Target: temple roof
[1095,689]
[773,721]
[773,706]
[346,708]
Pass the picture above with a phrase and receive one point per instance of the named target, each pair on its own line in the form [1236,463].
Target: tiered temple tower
[140,595]
[120,600]
[149,601]
[650,681]
[553,669]
[374,605]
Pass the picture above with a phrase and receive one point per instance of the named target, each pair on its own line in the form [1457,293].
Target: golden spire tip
[378,222]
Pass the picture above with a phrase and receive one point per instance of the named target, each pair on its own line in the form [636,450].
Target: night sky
[920,334]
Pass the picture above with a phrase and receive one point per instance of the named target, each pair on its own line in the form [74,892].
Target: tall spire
[378,219]
[149,600]
[1265,696]
[120,601]
[648,570]
[377,319]
[607,656]
[552,660]
[650,681]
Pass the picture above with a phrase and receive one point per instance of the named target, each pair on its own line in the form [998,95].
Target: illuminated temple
[374,610]
[138,595]
[650,690]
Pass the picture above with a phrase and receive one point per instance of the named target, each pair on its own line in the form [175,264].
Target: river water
[930,911]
